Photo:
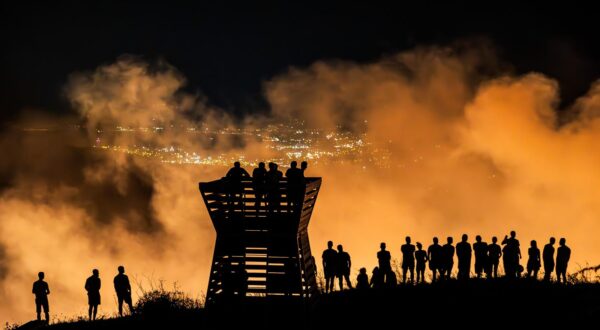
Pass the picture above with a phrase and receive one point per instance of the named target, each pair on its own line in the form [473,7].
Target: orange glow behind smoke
[471,154]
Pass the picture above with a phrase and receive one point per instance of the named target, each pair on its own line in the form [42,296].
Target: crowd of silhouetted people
[266,185]
[92,286]
[336,264]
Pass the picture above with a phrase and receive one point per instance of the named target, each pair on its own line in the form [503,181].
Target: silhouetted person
[391,280]
[408,260]
[362,280]
[563,254]
[41,292]
[92,286]
[376,278]
[343,267]
[295,181]
[533,263]
[329,266]
[448,264]
[303,167]
[274,195]
[463,253]
[421,258]
[548,257]
[384,258]
[234,177]
[435,254]
[123,290]
[511,255]
[480,250]
[259,182]
[494,254]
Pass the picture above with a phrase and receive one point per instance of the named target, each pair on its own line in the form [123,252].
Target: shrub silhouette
[161,303]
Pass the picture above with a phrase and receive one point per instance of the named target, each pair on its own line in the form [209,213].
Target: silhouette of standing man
[512,254]
[408,260]
[92,286]
[435,254]
[448,263]
[295,180]
[329,266]
[421,258]
[548,257]
[259,181]
[273,177]
[463,253]
[234,177]
[123,290]
[343,267]
[563,254]
[494,254]
[41,292]
[533,263]
[481,256]
[385,267]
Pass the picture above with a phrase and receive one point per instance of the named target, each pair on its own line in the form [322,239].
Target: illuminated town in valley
[284,142]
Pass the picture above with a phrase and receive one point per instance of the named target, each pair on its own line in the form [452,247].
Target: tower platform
[262,247]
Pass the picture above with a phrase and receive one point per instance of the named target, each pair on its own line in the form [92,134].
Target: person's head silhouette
[363,270]
[382,245]
[494,239]
[562,241]
[513,234]
[41,275]
[407,239]
[293,164]
[271,165]
[533,243]
[237,164]
[95,272]
[419,246]
[261,165]
[275,166]
[478,238]
[450,240]
[435,240]
[304,165]
[465,237]
[330,244]
[552,240]
[121,270]
[340,248]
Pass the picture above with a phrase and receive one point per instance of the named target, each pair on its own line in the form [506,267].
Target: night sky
[227,51]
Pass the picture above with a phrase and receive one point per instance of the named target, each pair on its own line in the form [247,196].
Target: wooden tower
[261,250]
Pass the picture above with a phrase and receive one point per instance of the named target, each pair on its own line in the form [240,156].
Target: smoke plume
[473,149]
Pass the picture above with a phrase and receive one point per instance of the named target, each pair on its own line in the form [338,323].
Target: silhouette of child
[362,280]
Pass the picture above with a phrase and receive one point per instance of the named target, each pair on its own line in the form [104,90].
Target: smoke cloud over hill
[474,149]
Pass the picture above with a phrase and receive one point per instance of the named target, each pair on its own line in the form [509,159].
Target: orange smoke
[471,153]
